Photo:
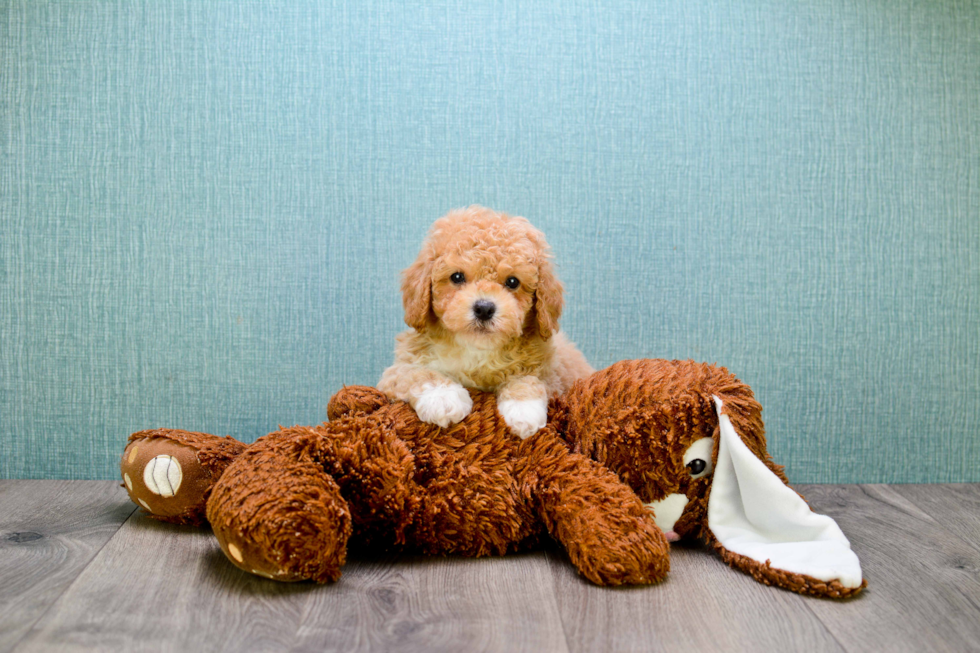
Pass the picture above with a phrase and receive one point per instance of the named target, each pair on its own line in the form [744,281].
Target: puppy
[483,303]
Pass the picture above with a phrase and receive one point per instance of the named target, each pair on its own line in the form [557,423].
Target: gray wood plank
[703,605]
[157,587]
[49,532]
[438,604]
[923,588]
[956,507]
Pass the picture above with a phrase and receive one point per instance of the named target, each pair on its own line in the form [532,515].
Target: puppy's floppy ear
[548,299]
[417,290]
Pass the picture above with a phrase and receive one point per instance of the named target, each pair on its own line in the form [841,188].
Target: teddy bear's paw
[163,475]
[251,557]
[524,416]
[443,404]
[623,552]
[280,518]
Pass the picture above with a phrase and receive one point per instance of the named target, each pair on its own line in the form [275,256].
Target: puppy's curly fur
[483,303]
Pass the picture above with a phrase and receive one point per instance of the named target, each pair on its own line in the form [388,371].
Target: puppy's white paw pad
[443,404]
[524,417]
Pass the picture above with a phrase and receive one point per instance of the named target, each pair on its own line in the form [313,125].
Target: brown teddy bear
[290,505]
[633,456]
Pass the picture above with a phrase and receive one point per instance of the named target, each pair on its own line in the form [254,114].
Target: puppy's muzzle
[484,309]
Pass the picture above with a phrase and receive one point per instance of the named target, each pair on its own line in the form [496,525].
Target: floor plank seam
[973,545]
[925,513]
[550,558]
[27,633]
[807,602]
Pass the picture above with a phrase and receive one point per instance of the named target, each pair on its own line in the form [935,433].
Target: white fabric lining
[753,513]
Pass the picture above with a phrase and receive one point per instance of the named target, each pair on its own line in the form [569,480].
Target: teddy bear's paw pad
[251,559]
[263,558]
[524,416]
[166,479]
[162,475]
[443,404]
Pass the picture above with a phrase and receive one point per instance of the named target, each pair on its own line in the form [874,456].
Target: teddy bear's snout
[667,511]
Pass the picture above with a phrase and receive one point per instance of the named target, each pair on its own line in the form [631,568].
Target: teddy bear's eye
[697,458]
[513,283]
[457,277]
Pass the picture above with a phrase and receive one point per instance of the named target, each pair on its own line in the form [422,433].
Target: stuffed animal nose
[484,309]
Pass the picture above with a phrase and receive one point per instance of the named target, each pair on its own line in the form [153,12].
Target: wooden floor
[80,569]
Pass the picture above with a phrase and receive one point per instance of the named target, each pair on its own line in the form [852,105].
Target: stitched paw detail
[524,417]
[162,475]
[443,404]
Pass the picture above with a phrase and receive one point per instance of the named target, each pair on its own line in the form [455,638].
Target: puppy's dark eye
[696,466]
[457,277]
[513,283]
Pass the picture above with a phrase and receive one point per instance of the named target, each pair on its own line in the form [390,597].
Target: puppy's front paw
[524,416]
[443,404]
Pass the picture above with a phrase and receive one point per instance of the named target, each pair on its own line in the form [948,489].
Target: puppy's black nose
[484,309]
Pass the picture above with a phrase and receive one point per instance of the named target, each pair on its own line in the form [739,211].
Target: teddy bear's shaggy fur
[290,505]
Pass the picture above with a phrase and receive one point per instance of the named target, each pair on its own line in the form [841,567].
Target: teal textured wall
[205,207]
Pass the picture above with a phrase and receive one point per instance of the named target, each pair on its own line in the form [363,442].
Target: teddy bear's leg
[170,472]
[608,534]
[280,516]
[287,507]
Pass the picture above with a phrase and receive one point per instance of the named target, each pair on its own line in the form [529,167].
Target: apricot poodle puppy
[483,303]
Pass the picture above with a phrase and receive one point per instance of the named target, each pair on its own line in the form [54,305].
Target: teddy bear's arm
[608,534]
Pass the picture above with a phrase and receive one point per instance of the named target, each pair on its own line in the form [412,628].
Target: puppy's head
[485,276]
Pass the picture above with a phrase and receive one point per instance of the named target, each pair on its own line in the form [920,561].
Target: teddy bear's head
[688,438]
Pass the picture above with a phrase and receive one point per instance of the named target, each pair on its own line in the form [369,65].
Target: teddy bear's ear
[766,529]
[417,290]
